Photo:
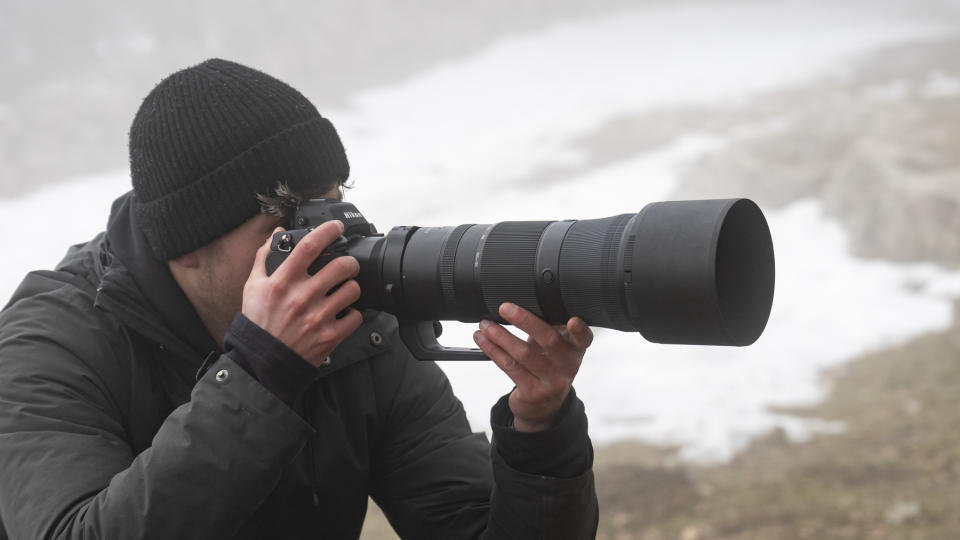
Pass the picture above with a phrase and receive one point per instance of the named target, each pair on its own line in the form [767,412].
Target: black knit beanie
[209,138]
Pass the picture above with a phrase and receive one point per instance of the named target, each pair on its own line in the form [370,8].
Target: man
[158,384]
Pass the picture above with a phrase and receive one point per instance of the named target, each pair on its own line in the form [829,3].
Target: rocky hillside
[879,146]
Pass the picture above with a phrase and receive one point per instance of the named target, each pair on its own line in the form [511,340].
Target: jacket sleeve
[67,470]
[435,479]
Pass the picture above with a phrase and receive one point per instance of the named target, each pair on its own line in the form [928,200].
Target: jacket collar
[142,291]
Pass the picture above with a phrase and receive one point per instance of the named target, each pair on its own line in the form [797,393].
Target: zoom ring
[508,265]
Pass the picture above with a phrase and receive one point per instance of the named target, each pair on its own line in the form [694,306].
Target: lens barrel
[685,272]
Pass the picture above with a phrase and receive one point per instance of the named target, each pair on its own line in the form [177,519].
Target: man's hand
[299,309]
[543,367]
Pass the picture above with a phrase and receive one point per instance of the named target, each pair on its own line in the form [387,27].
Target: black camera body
[310,215]
[685,272]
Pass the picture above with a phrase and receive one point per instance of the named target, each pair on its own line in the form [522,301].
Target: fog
[840,119]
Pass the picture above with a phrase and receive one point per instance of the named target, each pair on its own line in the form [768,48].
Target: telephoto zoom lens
[684,272]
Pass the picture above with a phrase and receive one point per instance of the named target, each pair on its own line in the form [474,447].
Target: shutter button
[222,375]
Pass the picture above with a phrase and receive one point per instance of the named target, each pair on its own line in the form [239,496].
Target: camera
[681,272]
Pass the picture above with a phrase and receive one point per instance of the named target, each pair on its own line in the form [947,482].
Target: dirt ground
[891,474]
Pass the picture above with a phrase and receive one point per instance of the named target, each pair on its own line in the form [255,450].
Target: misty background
[74,73]
[841,119]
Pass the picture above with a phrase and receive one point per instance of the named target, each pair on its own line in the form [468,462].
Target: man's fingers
[349,323]
[334,273]
[345,296]
[528,354]
[579,333]
[538,329]
[517,373]
[308,249]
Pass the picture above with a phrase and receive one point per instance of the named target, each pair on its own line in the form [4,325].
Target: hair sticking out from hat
[283,201]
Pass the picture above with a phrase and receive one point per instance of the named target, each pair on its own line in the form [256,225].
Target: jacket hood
[141,291]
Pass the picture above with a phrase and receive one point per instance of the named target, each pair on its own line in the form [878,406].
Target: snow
[36,230]
[940,85]
[465,129]
[456,143]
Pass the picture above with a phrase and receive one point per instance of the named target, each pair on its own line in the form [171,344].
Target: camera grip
[283,242]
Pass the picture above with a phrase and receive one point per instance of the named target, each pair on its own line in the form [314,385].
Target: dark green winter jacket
[112,425]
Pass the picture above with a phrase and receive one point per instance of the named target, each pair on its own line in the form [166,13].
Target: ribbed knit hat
[208,138]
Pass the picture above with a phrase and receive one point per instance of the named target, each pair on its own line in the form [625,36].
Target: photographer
[158,384]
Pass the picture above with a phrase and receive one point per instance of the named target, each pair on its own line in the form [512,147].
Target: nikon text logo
[353,215]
